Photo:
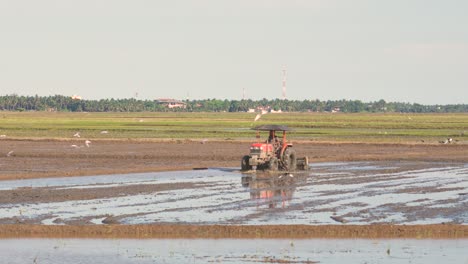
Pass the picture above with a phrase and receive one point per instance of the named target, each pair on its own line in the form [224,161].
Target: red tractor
[273,154]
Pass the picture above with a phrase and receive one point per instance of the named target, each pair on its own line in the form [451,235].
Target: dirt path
[35,159]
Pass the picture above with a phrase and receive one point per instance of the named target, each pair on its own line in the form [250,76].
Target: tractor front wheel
[273,164]
[245,166]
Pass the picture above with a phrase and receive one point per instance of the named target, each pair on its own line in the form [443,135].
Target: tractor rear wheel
[245,166]
[273,164]
[289,159]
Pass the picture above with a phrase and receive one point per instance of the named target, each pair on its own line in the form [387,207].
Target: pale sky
[396,50]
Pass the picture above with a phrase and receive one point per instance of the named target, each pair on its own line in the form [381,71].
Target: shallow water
[331,251]
[330,193]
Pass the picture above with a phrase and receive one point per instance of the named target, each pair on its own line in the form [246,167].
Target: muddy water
[232,251]
[330,193]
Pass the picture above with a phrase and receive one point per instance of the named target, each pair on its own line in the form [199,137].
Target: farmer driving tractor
[273,139]
[274,154]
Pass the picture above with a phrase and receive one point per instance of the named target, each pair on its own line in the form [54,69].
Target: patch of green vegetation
[307,126]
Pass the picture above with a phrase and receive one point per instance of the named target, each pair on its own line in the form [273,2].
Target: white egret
[257,117]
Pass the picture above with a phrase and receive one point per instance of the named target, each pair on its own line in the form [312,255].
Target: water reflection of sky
[331,193]
[117,251]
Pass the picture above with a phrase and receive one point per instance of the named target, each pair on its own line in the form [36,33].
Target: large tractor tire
[289,159]
[245,166]
[273,164]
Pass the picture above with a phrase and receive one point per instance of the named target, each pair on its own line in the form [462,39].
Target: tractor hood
[261,147]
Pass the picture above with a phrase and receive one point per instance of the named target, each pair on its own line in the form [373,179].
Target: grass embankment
[390,128]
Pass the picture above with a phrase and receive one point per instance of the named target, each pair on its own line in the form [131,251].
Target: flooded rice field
[232,251]
[357,193]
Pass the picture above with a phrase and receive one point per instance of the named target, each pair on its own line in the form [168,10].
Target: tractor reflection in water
[273,189]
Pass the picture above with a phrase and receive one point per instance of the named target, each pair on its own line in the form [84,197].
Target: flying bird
[257,117]
[263,112]
[9,153]
[87,142]
[77,134]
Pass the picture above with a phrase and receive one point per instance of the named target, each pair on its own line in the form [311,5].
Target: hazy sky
[396,50]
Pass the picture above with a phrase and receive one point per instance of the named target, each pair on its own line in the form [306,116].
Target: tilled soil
[35,159]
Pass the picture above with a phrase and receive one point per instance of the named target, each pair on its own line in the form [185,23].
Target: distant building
[275,112]
[171,103]
[76,97]
[264,110]
[336,110]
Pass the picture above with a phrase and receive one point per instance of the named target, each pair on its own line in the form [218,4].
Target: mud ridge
[231,231]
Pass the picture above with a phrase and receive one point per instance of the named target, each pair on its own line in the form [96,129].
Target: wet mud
[42,158]
[354,193]
[373,191]
[349,199]
[233,231]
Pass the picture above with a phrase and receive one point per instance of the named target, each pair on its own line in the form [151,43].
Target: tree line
[62,103]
